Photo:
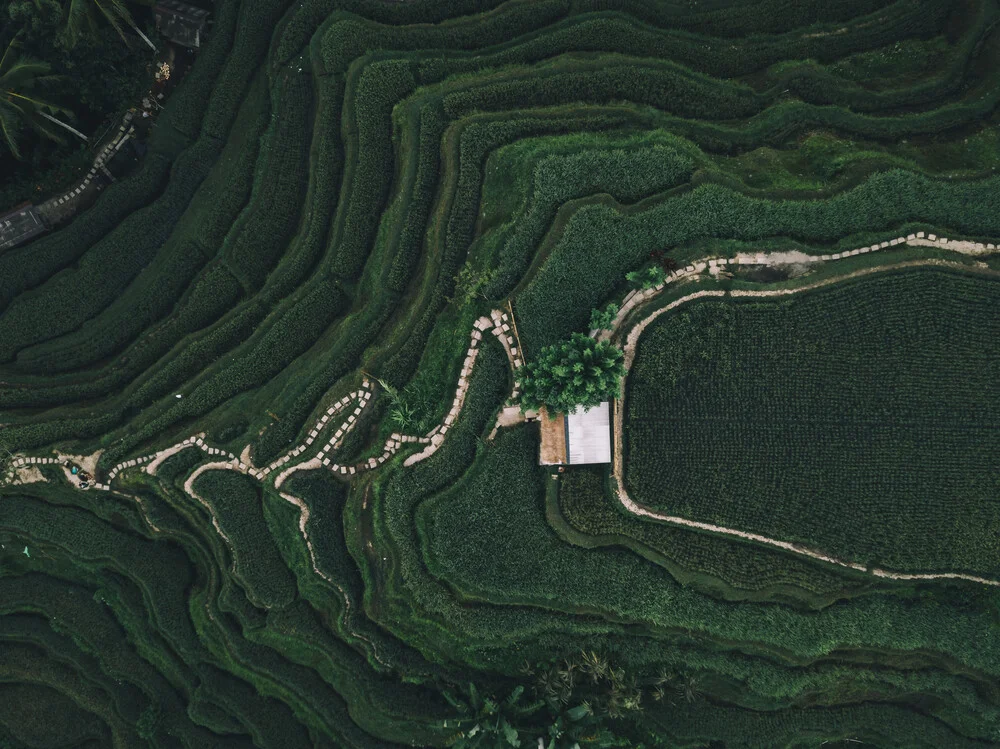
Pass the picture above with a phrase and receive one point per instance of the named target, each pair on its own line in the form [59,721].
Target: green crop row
[25,663]
[181,122]
[486,560]
[876,725]
[259,238]
[26,712]
[293,637]
[65,301]
[153,294]
[235,504]
[212,294]
[271,351]
[601,241]
[23,268]
[371,93]
[159,287]
[453,222]
[877,453]
[599,26]
[399,272]
[549,172]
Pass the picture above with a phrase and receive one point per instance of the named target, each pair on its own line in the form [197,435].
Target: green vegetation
[22,103]
[604,319]
[585,512]
[579,371]
[80,18]
[88,68]
[338,190]
[853,419]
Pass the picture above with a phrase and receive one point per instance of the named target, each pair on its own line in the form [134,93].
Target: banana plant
[491,723]
[81,17]
[22,101]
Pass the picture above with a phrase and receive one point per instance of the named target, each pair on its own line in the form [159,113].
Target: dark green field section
[584,510]
[310,193]
[859,419]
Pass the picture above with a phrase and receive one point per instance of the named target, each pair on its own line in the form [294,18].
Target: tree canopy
[578,371]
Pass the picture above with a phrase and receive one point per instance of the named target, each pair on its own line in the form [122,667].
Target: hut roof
[577,438]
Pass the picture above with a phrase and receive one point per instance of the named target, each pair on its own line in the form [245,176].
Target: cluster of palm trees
[24,79]
[605,689]
[574,700]
[511,722]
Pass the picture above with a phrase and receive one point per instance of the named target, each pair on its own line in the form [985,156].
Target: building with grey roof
[181,23]
[20,225]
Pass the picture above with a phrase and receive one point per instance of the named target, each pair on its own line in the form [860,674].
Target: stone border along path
[499,323]
[716,265]
[632,340]
[60,207]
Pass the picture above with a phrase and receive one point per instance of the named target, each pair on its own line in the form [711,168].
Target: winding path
[501,324]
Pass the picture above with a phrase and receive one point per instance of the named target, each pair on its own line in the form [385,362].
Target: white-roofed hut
[578,438]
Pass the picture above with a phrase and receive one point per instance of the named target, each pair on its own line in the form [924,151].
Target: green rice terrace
[273,467]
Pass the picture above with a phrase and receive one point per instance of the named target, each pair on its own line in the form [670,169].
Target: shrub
[603,319]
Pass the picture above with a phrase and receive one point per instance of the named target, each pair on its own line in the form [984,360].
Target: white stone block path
[715,265]
[499,324]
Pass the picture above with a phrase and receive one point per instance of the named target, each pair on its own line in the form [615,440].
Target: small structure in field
[181,23]
[19,225]
[576,438]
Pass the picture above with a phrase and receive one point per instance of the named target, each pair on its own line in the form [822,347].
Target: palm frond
[6,59]
[31,103]
[79,20]
[37,122]
[21,101]
[114,11]
[22,72]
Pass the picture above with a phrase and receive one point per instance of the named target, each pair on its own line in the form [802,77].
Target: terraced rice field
[858,418]
[281,346]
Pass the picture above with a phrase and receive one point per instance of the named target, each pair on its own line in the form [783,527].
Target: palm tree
[82,16]
[594,664]
[690,687]
[578,728]
[21,102]
[491,723]
[577,371]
